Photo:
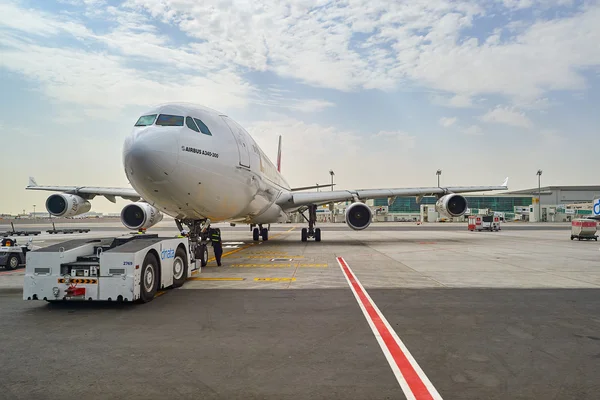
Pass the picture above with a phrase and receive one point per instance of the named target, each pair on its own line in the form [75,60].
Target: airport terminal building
[558,204]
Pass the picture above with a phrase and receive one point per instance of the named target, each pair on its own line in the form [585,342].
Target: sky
[382,92]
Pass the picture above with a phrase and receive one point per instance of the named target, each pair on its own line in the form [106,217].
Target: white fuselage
[223,176]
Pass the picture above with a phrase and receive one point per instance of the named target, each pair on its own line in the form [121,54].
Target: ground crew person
[215,238]
[182,234]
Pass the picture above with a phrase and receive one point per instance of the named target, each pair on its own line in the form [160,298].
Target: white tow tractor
[12,255]
[126,268]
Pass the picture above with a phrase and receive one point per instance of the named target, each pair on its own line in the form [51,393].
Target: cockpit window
[169,120]
[146,120]
[190,124]
[203,128]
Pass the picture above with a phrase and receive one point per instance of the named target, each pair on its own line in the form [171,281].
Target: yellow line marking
[273,257]
[249,245]
[158,294]
[269,252]
[262,265]
[280,265]
[274,279]
[313,265]
[216,279]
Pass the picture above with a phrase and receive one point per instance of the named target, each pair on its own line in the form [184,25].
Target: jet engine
[67,205]
[140,215]
[451,205]
[358,216]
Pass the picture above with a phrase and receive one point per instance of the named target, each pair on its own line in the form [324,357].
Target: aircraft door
[240,140]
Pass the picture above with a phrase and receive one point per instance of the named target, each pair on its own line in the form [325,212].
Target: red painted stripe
[411,377]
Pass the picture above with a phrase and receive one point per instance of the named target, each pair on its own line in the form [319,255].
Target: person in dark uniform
[215,238]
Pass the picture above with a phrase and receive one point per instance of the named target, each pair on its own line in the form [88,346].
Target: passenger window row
[174,120]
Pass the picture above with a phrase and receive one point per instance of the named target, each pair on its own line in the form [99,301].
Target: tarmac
[513,314]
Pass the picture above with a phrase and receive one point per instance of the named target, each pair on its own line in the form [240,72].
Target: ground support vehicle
[125,268]
[12,255]
[484,223]
[584,229]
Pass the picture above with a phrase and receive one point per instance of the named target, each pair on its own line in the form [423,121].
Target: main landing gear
[199,238]
[260,231]
[311,232]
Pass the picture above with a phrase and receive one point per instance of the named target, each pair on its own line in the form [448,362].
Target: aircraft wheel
[304,234]
[204,255]
[180,268]
[265,234]
[318,235]
[12,262]
[149,281]
[255,234]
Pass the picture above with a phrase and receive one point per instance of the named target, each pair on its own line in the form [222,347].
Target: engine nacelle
[140,215]
[451,205]
[67,205]
[358,216]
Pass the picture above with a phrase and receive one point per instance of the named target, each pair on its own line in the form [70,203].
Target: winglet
[279,155]
[32,182]
[505,183]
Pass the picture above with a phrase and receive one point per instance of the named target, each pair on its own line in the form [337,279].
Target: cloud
[276,100]
[448,122]
[456,101]
[359,45]
[403,139]
[473,130]
[507,116]
[372,44]
[95,80]
[35,22]
[523,4]
[310,150]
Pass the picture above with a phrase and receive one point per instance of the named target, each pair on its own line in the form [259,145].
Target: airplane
[199,166]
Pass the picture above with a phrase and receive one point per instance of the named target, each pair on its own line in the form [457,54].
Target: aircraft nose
[151,153]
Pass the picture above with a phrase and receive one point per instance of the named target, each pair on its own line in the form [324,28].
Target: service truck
[125,268]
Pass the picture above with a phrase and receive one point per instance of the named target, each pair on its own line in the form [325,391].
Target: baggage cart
[584,229]
[484,223]
[66,231]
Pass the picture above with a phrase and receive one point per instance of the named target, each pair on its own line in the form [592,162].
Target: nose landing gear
[199,238]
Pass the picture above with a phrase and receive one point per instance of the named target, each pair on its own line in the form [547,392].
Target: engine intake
[140,215]
[67,205]
[358,216]
[451,205]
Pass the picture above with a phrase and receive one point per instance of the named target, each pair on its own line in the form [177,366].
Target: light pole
[34,211]
[317,187]
[332,204]
[539,174]
[332,174]
[438,173]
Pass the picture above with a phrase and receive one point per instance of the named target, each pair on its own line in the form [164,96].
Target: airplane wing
[88,192]
[297,200]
